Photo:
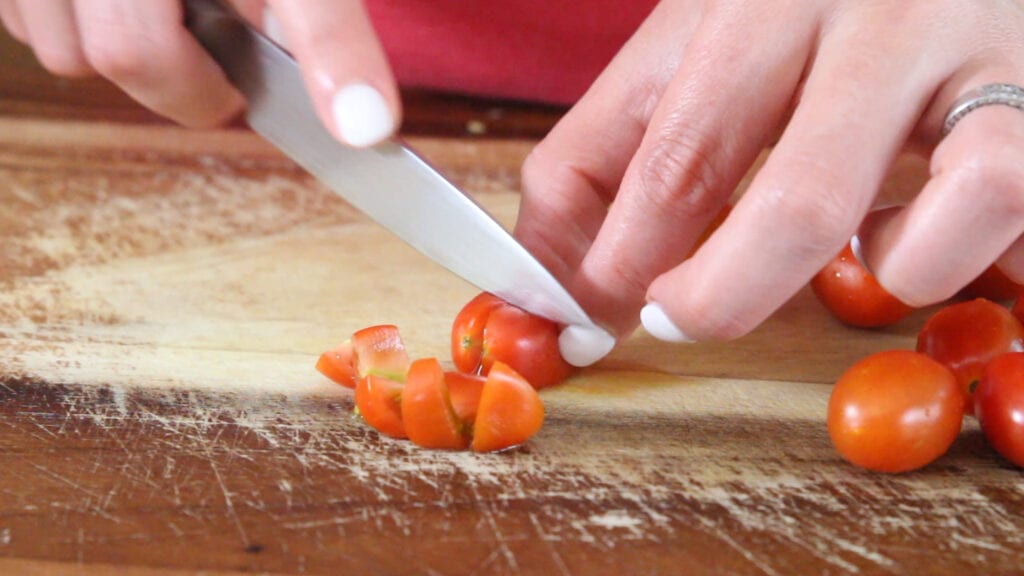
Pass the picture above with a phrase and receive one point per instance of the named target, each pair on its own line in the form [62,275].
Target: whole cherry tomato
[966,336]
[895,411]
[854,296]
[1018,307]
[488,329]
[999,405]
[992,284]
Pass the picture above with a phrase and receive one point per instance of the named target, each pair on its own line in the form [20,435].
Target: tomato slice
[468,331]
[464,391]
[527,343]
[510,411]
[967,335]
[338,364]
[999,404]
[895,411]
[992,284]
[379,401]
[379,350]
[430,420]
[853,295]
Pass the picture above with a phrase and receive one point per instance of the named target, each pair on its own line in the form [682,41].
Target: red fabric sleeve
[536,50]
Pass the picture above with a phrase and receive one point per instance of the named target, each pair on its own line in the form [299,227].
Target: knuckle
[678,176]
[67,62]
[826,214]
[115,57]
[994,174]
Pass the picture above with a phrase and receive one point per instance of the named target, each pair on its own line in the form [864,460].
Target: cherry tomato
[464,391]
[966,336]
[1018,307]
[510,411]
[895,411]
[339,364]
[993,285]
[430,420]
[489,330]
[854,296]
[999,405]
[379,401]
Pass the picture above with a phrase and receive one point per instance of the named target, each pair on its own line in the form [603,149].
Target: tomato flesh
[379,400]
[895,411]
[464,391]
[430,420]
[966,336]
[338,364]
[853,295]
[999,405]
[510,411]
[379,350]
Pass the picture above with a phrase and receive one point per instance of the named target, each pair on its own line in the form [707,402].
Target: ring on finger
[1004,94]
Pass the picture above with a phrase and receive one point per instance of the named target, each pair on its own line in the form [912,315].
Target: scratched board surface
[164,295]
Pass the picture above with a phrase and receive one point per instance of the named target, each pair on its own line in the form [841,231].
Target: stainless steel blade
[389,182]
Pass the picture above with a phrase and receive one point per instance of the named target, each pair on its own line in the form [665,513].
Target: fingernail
[659,325]
[272,28]
[858,254]
[361,115]
[583,345]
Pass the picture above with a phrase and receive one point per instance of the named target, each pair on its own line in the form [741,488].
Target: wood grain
[164,295]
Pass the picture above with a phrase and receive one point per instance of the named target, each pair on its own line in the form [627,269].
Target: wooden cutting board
[164,295]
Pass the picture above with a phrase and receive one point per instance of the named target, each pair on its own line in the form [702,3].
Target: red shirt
[540,50]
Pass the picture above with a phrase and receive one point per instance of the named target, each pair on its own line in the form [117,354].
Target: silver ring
[1004,94]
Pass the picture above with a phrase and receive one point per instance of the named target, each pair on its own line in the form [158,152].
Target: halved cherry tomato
[993,285]
[854,296]
[895,411]
[379,400]
[489,330]
[999,405]
[966,336]
[379,350]
[464,391]
[338,364]
[510,411]
[430,420]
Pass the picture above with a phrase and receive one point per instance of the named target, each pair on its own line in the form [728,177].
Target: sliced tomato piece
[430,420]
[510,411]
[464,391]
[468,331]
[338,364]
[379,350]
[527,343]
[379,400]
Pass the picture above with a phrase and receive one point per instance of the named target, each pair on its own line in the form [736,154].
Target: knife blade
[389,182]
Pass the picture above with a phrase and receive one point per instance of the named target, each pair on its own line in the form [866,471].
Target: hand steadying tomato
[895,411]
[854,296]
[488,329]
[999,405]
[966,336]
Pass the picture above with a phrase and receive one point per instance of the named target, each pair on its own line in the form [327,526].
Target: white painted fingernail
[858,255]
[657,322]
[583,345]
[272,28]
[361,115]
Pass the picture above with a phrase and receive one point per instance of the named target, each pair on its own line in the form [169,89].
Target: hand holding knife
[390,183]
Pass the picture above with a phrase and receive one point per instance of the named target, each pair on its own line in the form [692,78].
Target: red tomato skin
[895,411]
[510,411]
[338,364]
[1018,307]
[853,295]
[527,343]
[992,284]
[468,331]
[380,405]
[430,420]
[464,391]
[966,336]
[999,405]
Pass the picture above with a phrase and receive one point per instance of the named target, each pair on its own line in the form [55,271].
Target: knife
[388,182]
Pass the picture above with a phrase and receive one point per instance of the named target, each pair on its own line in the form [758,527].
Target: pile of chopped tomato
[502,356]
[899,410]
